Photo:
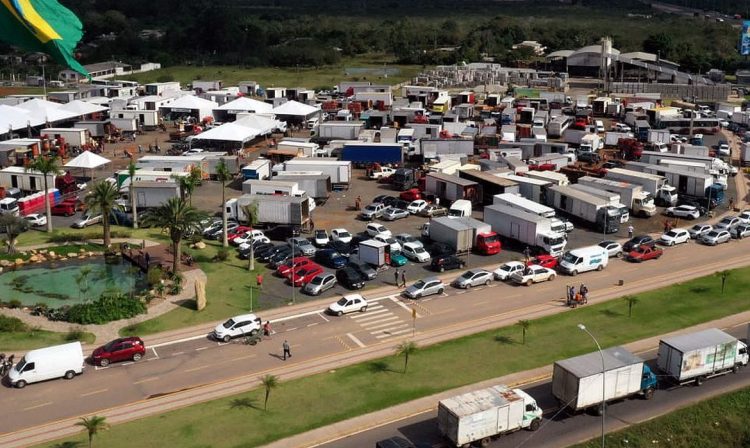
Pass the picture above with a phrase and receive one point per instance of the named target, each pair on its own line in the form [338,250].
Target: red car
[238,232]
[411,195]
[303,275]
[122,349]
[545,261]
[290,265]
[644,253]
[65,208]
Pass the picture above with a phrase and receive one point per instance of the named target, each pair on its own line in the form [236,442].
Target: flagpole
[44,82]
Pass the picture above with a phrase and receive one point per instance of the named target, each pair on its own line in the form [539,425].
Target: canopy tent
[47,111]
[82,108]
[264,125]
[295,109]
[190,105]
[87,160]
[229,137]
[245,104]
[13,118]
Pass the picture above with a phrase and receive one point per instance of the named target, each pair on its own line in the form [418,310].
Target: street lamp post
[604,374]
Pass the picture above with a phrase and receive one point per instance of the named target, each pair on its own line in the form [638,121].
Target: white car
[699,230]
[244,324]
[342,235]
[620,127]
[87,220]
[416,206]
[415,251]
[388,239]
[614,249]
[741,231]
[36,220]
[533,274]
[505,270]
[684,211]
[674,236]
[727,223]
[257,240]
[404,238]
[348,304]
[374,229]
[724,149]
[249,237]
[474,277]
[382,172]
[744,217]
[320,238]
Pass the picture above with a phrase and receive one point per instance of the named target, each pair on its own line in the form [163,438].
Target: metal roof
[701,339]
[476,401]
[451,179]
[591,363]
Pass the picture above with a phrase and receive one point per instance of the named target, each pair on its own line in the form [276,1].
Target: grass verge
[17,336]
[300,405]
[720,422]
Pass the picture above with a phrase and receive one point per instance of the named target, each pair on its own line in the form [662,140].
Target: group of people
[5,364]
[402,282]
[574,298]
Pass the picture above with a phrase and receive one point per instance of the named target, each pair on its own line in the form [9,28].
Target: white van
[584,259]
[59,361]
[9,206]
[461,207]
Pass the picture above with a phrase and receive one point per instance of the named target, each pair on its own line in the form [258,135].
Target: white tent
[82,108]
[264,125]
[228,132]
[47,111]
[245,104]
[87,160]
[296,109]
[13,118]
[191,104]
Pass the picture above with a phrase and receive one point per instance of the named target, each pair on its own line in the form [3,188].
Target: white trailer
[640,202]
[451,188]
[277,187]
[690,150]
[551,176]
[591,143]
[613,199]
[316,185]
[525,227]
[684,165]
[591,209]
[71,136]
[123,177]
[461,233]
[125,124]
[340,130]
[662,192]
[700,355]
[148,119]
[446,167]
[530,188]
[485,414]
[374,252]
[25,180]
[96,128]
[302,149]
[257,169]
[687,182]
[149,194]
[659,136]
[175,164]
[519,202]
[340,171]
[574,136]
[283,210]
[611,138]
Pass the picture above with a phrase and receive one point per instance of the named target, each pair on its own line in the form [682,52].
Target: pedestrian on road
[403,278]
[527,254]
[267,328]
[286,350]
[259,281]
[630,231]
[584,290]
[572,293]
[437,201]
[395,278]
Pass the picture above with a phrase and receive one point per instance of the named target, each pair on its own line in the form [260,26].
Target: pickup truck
[533,274]
[373,211]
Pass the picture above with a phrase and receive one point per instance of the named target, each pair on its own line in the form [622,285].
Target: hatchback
[373,229]
[363,268]
[636,241]
[391,241]
[425,287]
[741,231]
[36,219]
[416,252]
[715,237]
[404,238]
[417,206]
[320,283]
[433,211]
[321,238]
[474,277]
[699,230]
[614,249]
[123,349]
[727,223]
[303,244]
[348,304]
[341,235]
[504,272]
[350,278]
[303,275]
[674,236]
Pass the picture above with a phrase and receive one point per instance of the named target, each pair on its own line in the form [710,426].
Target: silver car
[474,277]
[404,238]
[741,231]
[715,237]
[699,230]
[425,287]
[320,283]
[393,214]
[302,245]
[727,223]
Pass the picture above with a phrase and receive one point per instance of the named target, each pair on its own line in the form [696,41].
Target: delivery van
[60,361]
[584,259]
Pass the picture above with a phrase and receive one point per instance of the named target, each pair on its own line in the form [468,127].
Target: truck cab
[460,208]
[643,205]
[649,381]
[667,196]
[608,219]
[488,243]
[553,243]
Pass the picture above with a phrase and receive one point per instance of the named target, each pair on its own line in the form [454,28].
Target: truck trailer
[529,187]
[657,186]
[343,130]
[339,170]
[689,183]
[515,200]
[464,234]
[553,176]
[527,228]
[282,210]
[640,202]
[257,169]
[586,207]
[360,153]
[316,185]
[613,199]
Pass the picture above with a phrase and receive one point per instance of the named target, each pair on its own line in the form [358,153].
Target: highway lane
[560,429]
[314,336]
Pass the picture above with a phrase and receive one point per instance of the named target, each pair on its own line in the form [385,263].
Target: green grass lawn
[299,405]
[17,336]
[720,422]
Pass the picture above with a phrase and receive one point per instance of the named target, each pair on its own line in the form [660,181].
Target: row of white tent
[38,112]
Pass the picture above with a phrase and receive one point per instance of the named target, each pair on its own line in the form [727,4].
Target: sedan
[404,238]
[715,237]
[684,211]
[303,244]
[416,252]
[416,206]
[393,214]
[344,249]
[433,211]
[348,304]
[265,254]
[474,277]
[292,264]
[545,261]
[330,258]
[504,272]
[644,253]
[321,238]
[36,220]
[342,235]
[636,241]
[123,349]
[320,283]
[533,274]
[614,249]
[363,268]
[699,230]
[425,287]
[303,275]
[674,236]
[741,231]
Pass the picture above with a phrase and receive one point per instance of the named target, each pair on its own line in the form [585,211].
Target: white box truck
[373,252]
[529,187]
[482,415]
[257,169]
[282,210]
[640,202]
[687,182]
[339,170]
[662,192]
[612,199]
[464,234]
[700,355]
[519,202]
[317,186]
[591,209]
[577,382]
[527,228]
[551,176]
[60,361]
[611,138]
[149,194]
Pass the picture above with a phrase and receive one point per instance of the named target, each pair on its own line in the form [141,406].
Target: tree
[46,166]
[13,226]
[269,382]
[524,324]
[102,199]
[723,275]
[223,175]
[131,190]
[251,214]
[631,301]
[178,218]
[660,44]
[406,348]
[189,183]
[93,425]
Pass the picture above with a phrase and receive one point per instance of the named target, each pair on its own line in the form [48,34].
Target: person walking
[584,291]
[527,254]
[287,351]
[437,201]
[630,231]
[259,281]
[403,278]
[395,278]
[267,328]
[572,294]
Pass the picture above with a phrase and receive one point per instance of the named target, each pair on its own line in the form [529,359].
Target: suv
[244,324]
[350,278]
[373,211]
[131,348]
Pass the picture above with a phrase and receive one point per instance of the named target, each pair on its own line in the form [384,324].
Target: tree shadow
[610,313]
[379,367]
[699,289]
[244,403]
[67,444]
[188,304]
[503,339]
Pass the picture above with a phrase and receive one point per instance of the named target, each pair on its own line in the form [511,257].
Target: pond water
[69,282]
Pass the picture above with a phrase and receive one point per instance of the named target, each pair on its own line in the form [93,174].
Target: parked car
[292,264]
[363,268]
[249,236]
[411,194]
[393,214]
[373,211]
[416,206]
[384,199]
[415,252]
[684,211]
[345,249]
[391,241]
[446,263]
[727,223]
[237,232]
[320,238]
[544,260]
[244,252]
[303,244]
[716,236]
[65,208]
[264,255]
[744,217]
[244,324]
[320,283]
[438,249]
[282,233]
[350,278]
[699,230]
[215,232]
[701,207]
[643,253]
[342,235]
[283,255]
[505,270]
[374,228]
[425,287]
[398,259]
[301,276]
[433,211]
[36,220]
[636,241]
[614,249]
[724,149]
[533,274]
[122,349]
[87,220]
[674,236]
[404,238]
[741,231]
[256,241]
[348,304]
[474,277]
[330,258]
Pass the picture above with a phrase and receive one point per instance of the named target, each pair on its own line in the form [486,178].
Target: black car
[330,258]
[350,278]
[245,253]
[440,249]
[266,254]
[363,268]
[446,263]
[389,201]
[636,242]
[400,203]
[383,199]
[282,233]
[341,247]
[284,255]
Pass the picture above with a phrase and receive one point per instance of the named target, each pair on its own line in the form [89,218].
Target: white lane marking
[200,348]
[155,354]
[38,406]
[127,363]
[381,323]
[197,368]
[146,380]
[320,313]
[291,329]
[94,392]
[356,341]
[314,323]
[403,305]
[363,317]
[178,353]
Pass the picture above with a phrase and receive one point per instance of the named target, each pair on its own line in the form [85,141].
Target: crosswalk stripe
[381,323]
[392,333]
[362,317]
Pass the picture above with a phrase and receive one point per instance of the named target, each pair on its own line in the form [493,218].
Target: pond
[69,282]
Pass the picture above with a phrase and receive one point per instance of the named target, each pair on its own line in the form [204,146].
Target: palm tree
[631,301]
[723,275]
[13,226]
[224,176]
[93,425]
[269,382]
[189,183]
[102,199]
[251,213]
[46,166]
[131,190]
[406,348]
[524,324]
[179,219]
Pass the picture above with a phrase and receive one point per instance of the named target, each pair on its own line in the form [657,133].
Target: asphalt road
[560,429]
[196,360]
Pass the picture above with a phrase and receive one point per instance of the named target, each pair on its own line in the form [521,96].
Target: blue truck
[366,153]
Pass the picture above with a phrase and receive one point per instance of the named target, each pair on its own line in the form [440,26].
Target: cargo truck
[590,143]
[611,138]
[689,183]
[663,193]
[360,153]
[376,253]
[552,176]
[334,130]
[530,188]
[745,154]
[640,202]
[339,170]
[149,194]
[283,210]
[612,199]
[465,234]
[519,202]
[577,382]
[483,415]
[586,207]
[316,185]
[527,228]
[695,357]
[257,169]
[405,178]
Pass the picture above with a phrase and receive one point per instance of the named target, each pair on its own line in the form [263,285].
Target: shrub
[154,275]
[12,325]
[222,254]
[196,238]
[107,308]
[74,334]
[15,303]
[165,78]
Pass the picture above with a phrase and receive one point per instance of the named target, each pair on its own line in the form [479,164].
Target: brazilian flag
[42,25]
